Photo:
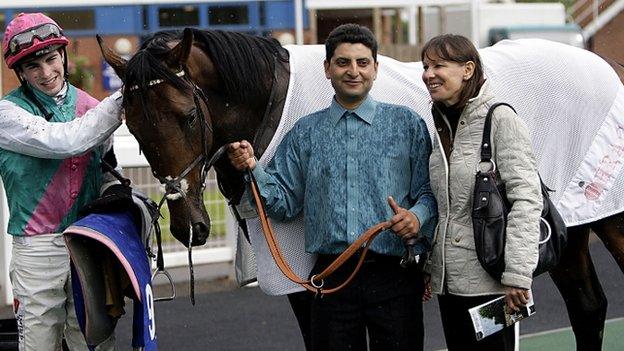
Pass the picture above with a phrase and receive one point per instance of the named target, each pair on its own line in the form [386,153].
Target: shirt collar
[59,98]
[366,110]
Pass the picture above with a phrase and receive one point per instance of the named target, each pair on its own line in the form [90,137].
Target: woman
[454,76]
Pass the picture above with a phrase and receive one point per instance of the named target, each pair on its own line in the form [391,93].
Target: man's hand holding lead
[241,155]
[404,222]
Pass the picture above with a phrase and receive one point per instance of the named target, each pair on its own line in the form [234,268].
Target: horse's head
[168,114]
[186,96]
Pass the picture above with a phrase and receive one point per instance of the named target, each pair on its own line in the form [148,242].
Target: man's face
[352,71]
[45,73]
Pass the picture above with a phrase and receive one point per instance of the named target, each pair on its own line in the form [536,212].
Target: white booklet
[493,316]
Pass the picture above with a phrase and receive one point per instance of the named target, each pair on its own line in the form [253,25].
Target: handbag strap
[486,145]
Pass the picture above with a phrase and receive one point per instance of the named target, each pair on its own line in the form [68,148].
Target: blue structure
[254,17]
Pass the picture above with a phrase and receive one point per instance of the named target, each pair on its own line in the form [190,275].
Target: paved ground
[228,318]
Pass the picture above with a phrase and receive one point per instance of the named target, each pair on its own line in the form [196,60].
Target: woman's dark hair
[457,48]
[353,34]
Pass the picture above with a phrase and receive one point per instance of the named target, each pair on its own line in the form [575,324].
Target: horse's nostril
[200,233]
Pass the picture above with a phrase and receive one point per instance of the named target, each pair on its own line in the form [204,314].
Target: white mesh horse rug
[571,100]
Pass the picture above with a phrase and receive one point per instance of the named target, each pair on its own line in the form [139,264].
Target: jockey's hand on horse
[241,155]
[516,297]
[404,223]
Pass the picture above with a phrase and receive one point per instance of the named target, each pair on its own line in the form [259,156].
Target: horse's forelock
[147,65]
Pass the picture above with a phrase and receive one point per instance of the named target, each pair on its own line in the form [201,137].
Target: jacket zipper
[446,187]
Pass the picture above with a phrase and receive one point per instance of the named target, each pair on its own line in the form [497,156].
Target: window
[228,15]
[144,17]
[74,19]
[178,16]
[2,20]
[262,13]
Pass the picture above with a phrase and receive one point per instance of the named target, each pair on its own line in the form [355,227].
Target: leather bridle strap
[316,282]
[174,186]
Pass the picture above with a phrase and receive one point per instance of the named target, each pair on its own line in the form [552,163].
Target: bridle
[174,188]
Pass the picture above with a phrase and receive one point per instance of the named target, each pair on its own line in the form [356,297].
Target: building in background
[602,22]
[130,20]
[401,26]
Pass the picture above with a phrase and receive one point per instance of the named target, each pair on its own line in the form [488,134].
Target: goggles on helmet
[26,39]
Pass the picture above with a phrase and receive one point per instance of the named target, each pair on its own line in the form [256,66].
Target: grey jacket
[453,260]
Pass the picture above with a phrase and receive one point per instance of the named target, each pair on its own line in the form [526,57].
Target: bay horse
[188,94]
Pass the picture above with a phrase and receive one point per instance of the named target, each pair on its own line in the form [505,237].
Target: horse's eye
[191,117]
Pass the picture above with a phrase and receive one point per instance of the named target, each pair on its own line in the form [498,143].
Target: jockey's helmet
[31,33]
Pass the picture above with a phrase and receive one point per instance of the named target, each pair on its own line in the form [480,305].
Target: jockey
[50,170]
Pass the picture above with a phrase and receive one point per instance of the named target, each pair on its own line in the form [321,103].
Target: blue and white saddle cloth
[108,256]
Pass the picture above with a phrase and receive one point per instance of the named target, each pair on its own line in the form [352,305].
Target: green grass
[563,339]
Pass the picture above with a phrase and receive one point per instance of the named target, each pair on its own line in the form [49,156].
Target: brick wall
[608,41]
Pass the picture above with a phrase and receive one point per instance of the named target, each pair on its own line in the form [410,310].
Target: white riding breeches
[43,298]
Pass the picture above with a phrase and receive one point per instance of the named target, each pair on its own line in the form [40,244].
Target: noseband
[174,188]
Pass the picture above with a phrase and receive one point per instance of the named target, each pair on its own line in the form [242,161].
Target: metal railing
[219,246]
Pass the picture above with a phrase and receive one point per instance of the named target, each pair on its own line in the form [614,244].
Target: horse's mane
[242,62]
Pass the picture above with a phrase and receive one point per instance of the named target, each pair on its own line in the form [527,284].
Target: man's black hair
[350,33]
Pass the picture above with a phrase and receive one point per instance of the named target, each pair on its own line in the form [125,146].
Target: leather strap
[316,282]
[486,147]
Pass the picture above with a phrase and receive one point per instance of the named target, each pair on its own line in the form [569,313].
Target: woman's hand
[516,297]
[427,293]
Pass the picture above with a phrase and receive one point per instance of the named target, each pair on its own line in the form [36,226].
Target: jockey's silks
[117,233]
[44,195]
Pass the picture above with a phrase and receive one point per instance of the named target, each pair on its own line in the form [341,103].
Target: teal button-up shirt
[340,166]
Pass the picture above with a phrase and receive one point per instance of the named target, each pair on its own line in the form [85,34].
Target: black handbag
[489,217]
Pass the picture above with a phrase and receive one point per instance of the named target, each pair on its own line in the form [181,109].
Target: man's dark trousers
[383,299]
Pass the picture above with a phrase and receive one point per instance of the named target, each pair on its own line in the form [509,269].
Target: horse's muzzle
[200,233]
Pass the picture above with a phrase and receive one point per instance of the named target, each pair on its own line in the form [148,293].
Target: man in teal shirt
[350,166]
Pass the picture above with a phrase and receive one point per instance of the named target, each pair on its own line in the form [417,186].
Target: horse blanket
[571,100]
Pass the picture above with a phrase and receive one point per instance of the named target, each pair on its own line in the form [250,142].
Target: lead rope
[316,282]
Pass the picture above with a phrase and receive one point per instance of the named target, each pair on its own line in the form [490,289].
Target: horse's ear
[117,62]
[180,53]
